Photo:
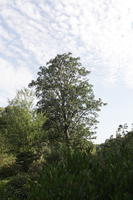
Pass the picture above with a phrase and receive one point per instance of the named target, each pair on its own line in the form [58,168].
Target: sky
[100,32]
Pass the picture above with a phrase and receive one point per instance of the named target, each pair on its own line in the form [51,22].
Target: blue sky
[99,31]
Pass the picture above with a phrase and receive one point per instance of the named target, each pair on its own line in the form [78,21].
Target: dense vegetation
[46,150]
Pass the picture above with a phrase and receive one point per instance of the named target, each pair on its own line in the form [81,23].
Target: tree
[21,129]
[24,98]
[67,100]
[20,125]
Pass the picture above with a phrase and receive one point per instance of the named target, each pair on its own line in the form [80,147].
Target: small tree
[67,100]
[20,124]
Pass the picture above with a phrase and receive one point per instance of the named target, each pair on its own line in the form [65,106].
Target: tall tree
[66,98]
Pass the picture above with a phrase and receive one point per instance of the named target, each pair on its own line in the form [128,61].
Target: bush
[18,188]
[67,179]
[105,175]
[8,171]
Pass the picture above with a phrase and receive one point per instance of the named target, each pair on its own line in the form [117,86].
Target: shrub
[105,175]
[8,171]
[18,188]
[67,179]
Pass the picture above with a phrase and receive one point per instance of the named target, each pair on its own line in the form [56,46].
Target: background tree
[25,98]
[20,124]
[21,129]
[67,100]
[3,146]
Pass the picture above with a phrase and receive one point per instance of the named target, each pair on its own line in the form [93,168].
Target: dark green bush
[67,179]
[69,174]
[106,175]
[18,188]
[8,171]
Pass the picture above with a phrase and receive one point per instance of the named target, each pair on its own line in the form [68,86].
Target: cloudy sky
[99,31]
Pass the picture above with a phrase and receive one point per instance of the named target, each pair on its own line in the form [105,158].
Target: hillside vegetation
[46,150]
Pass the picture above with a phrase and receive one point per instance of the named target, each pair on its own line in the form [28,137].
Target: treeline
[46,148]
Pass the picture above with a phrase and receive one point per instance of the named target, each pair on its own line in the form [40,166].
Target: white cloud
[12,79]
[101,32]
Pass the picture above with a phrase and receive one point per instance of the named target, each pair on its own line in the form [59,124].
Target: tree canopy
[66,98]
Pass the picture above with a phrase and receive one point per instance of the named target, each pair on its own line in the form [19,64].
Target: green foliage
[18,188]
[115,158]
[8,171]
[16,128]
[75,174]
[6,159]
[106,175]
[51,157]
[64,179]
[25,159]
[20,134]
[2,188]
[67,100]
[3,142]
[20,126]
